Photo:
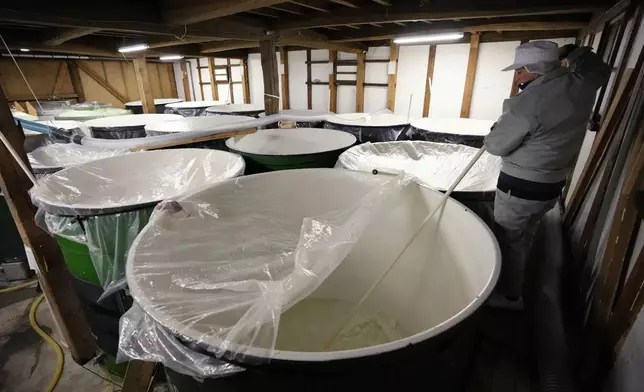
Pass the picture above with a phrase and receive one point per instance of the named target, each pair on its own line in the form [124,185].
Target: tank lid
[132,181]
[194,104]
[157,101]
[202,123]
[236,108]
[456,126]
[298,141]
[132,120]
[369,120]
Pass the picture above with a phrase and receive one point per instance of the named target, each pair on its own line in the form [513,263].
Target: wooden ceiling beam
[318,6]
[284,9]
[215,9]
[217,47]
[527,26]
[345,3]
[178,42]
[222,29]
[71,34]
[380,14]
[383,2]
[307,39]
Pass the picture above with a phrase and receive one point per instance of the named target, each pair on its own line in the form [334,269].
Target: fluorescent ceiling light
[133,48]
[24,50]
[428,38]
[171,57]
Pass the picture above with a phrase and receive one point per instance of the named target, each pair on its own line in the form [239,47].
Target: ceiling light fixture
[24,50]
[428,38]
[133,48]
[171,57]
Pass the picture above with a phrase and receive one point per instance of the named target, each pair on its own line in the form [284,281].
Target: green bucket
[285,149]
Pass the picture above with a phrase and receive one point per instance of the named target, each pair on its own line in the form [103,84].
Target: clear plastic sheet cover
[219,277]
[436,165]
[110,200]
[53,157]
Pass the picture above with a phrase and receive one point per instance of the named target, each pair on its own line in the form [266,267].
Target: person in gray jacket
[538,135]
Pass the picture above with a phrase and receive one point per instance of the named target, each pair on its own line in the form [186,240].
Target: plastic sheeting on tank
[126,127]
[86,115]
[191,108]
[191,124]
[469,132]
[226,300]
[369,127]
[110,200]
[159,105]
[303,113]
[436,165]
[54,157]
[241,109]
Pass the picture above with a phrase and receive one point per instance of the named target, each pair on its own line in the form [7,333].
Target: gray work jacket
[540,131]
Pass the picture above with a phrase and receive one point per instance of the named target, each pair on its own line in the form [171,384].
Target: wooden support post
[143,83]
[245,85]
[185,79]
[74,75]
[139,376]
[103,82]
[54,277]
[285,90]
[360,83]
[471,74]
[213,80]
[173,82]
[515,87]
[429,80]
[309,90]
[392,78]
[271,84]
[229,77]
[333,88]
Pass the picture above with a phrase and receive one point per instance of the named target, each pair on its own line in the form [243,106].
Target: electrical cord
[60,358]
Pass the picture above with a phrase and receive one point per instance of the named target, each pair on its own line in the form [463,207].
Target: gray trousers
[516,222]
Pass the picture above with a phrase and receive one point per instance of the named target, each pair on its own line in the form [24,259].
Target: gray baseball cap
[533,53]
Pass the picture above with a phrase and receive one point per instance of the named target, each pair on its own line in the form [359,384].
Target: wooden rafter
[71,34]
[307,39]
[215,9]
[383,2]
[381,14]
[527,26]
[314,6]
[345,3]
[184,41]
[287,10]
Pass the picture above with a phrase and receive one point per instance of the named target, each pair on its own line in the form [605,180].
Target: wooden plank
[229,76]
[360,83]
[245,84]
[211,71]
[601,143]
[345,3]
[18,107]
[139,376]
[429,80]
[514,90]
[61,78]
[71,34]
[30,109]
[72,67]
[200,139]
[271,81]
[621,233]
[285,90]
[391,78]
[470,75]
[173,81]
[379,14]
[526,26]
[333,89]
[200,82]
[54,277]
[97,78]
[143,84]
[190,14]
[160,80]
[309,91]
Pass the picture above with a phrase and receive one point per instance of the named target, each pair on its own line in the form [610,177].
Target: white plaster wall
[450,67]
[255,78]
[297,79]
[491,86]
[412,71]
[346,99]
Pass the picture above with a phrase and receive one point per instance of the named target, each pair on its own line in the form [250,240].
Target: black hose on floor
[553,355]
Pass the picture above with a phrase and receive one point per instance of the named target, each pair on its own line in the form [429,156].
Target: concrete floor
[27,363]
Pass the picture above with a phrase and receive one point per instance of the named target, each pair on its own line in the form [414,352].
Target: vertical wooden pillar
[143,84]
[515,87]
[54,277]
[213,79]
[309,87]
[245,85]
[229,77]
[429,80]
[286,103]
[271,84]
[360,83]
[333,88]
[172,81]
[471,74]
[72,67]
[392,78]
[185,79]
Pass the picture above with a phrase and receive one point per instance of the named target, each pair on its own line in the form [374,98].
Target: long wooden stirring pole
[411,240]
